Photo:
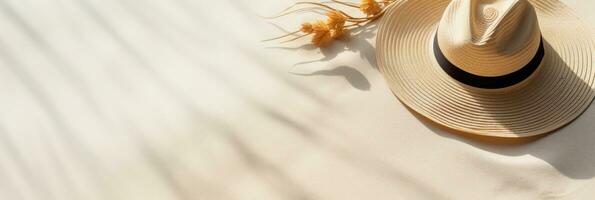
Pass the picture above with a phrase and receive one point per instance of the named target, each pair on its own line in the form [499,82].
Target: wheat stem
[283,36]
[293,39]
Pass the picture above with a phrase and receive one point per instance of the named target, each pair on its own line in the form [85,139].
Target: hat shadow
[570,149]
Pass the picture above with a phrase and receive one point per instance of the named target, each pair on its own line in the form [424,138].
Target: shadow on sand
[357,42]
[569,149]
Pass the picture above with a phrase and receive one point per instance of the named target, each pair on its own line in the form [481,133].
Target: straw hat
[502,68]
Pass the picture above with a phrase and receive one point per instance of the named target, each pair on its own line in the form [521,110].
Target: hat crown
[489,37]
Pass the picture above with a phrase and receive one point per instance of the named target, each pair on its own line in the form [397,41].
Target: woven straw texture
[556,95]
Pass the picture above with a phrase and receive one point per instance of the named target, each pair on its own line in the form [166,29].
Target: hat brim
[557,94]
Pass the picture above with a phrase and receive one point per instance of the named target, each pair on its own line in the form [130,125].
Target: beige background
[177,99]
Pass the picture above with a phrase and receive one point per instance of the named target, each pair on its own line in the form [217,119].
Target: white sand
[177,99]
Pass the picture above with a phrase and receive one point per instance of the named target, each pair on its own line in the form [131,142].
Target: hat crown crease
[486,17]
[489,37]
